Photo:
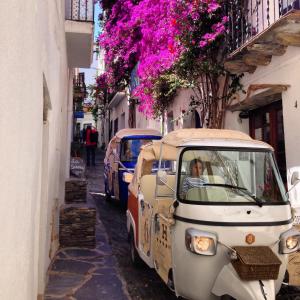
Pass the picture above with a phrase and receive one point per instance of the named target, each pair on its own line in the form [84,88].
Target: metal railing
[79,10]
[248,18]
[79,84]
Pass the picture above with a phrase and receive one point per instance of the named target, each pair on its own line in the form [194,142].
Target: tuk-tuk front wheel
[134,255]
[107,197]
[226,297]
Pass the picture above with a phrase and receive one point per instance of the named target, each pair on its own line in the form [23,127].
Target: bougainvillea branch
[174,43]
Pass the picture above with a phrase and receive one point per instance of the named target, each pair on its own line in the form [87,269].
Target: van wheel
[134,256]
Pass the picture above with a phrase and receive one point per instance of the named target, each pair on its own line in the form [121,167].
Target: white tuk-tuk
[222,231]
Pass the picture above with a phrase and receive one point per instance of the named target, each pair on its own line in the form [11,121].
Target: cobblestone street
[142,283]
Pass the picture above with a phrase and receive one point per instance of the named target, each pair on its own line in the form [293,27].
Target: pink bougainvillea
[155,34]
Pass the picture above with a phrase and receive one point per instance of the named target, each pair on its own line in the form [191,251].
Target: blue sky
[91,73]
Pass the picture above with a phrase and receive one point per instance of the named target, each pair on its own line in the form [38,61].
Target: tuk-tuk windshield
[230,176]
[130,148]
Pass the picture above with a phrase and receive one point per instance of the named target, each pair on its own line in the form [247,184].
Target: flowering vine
[172,41]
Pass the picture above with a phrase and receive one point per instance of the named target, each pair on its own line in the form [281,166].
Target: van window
[130,149]
[231,175]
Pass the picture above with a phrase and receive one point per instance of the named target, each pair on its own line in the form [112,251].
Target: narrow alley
[191,108]
[87,274]
[107,272]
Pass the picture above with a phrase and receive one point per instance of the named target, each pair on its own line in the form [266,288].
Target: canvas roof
[134,131]
[184,137]
[181,136]
[170,144]
[127,132]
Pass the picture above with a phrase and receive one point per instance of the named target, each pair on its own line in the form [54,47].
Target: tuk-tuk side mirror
[127,177]
[161,177]
[295,178]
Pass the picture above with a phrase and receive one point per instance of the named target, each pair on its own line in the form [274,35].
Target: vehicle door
[163,224]
[145,195]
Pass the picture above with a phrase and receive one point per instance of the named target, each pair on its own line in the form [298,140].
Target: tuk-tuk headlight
[201,242]
[292,242]
[289,241]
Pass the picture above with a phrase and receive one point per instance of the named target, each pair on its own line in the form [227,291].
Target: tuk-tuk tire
[226,297]
[170,282]
[107,197]
[134,255]
[106,191]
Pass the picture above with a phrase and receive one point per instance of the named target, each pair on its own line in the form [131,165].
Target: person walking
[91,141]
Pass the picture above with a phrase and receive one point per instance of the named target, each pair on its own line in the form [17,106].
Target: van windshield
[231,176]
[130,148]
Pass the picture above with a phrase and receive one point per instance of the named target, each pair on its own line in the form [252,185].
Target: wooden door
[266,124]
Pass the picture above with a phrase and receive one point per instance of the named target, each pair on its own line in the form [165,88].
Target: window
[115,125]
[130,148]
[231,176]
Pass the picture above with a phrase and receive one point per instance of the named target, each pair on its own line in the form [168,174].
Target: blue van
[121,156]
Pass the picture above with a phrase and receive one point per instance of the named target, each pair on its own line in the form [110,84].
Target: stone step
[77,226]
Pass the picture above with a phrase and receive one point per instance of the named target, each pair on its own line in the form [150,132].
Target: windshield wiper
[248,193]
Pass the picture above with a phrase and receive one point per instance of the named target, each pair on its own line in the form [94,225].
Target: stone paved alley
[106,272]
[87,274]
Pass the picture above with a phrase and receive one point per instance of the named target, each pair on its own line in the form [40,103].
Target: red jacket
[88,137]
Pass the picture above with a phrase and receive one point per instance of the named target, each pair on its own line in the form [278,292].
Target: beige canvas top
[127,132]
[169,147]
[134,131]
[178,137]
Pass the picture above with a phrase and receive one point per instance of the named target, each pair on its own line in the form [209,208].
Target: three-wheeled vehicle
[223,231]
[121,156]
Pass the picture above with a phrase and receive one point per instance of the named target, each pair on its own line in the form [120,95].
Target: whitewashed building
[266,49]
[122,112]
[41,42]
[264,41]
[264,45]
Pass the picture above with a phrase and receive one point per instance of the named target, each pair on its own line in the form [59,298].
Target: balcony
[79,27]
[259,29]
[79,86]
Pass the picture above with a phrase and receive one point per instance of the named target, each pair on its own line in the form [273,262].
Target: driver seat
[210,194]
[197,194]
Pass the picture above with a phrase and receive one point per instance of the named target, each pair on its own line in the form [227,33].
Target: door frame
[272,108]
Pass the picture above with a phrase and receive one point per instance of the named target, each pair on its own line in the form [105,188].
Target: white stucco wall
[118,110]
[32,47]
[282,70]
[143,122]
[180,103]
[88,119]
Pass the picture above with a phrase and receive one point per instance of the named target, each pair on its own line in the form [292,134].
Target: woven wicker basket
[256,263]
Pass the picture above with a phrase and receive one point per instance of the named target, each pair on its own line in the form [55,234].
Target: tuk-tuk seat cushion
[214,179]
[148,187]
[210,194]
[164,190]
